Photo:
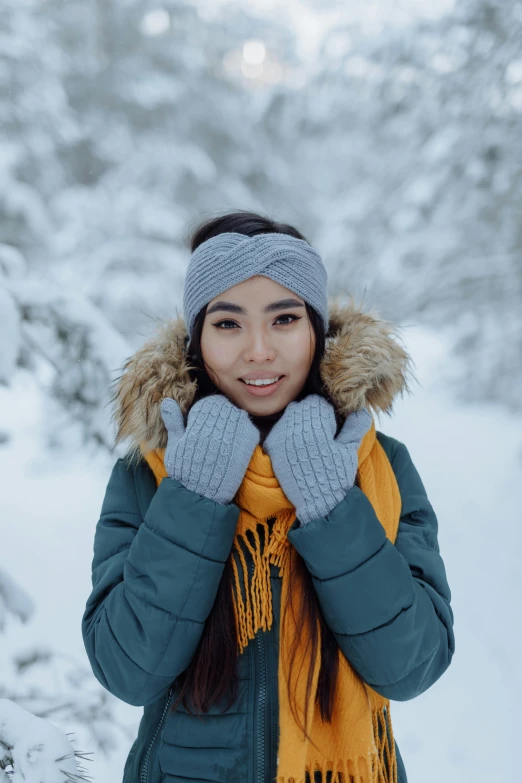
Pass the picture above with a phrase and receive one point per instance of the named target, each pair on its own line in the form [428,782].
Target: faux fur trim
[364,365]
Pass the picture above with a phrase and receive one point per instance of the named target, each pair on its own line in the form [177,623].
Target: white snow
[39,752]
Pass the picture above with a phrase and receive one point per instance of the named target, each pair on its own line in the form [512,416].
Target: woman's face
[241,339]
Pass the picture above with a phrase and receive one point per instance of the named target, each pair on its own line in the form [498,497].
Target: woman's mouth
[262,390]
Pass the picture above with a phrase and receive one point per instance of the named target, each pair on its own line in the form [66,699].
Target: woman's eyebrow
[230,307]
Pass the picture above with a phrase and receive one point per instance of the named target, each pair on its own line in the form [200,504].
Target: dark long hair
[203,681]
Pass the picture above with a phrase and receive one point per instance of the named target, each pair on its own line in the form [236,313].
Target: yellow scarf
[350,744]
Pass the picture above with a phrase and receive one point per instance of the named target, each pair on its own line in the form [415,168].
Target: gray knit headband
[229,258]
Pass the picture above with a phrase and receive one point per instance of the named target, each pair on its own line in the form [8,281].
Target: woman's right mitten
[210,456]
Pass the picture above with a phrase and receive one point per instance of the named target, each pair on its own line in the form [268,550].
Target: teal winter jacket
[159,553]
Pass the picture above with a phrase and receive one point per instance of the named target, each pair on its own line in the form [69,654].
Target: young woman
[266,574]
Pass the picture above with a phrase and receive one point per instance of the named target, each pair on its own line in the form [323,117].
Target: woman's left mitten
[314,468]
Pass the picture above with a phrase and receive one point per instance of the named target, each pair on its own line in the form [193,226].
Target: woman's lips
[263,391]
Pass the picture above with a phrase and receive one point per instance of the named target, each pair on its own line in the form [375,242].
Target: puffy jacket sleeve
[154,581]
[387,604]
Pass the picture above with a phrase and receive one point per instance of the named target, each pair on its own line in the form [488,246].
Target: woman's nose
[260,347]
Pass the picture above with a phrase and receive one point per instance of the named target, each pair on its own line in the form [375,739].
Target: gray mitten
[211,455]
[315,470]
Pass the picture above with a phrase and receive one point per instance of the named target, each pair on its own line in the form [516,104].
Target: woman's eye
[287,315]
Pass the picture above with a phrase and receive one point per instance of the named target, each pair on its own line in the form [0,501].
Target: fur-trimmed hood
[363,366]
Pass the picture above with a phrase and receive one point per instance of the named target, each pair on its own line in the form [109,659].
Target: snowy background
[125,122]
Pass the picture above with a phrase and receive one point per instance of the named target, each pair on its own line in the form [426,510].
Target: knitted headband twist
[229,258]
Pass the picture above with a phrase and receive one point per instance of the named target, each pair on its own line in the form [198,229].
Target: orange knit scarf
[350,744]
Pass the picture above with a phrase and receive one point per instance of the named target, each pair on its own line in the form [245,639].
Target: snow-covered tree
[43,691]
[405,140]
[33,750]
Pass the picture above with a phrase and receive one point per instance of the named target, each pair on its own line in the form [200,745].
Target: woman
[266,572]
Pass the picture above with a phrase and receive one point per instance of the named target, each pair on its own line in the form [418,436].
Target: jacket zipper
[262,704]
[274,725]
[145,768]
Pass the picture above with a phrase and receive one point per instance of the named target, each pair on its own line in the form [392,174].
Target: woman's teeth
[263,382]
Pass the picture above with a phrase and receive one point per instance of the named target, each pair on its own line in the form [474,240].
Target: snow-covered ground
[470,459]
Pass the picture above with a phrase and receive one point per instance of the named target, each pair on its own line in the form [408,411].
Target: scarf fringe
[368,769]
[253,609]
[257,613]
